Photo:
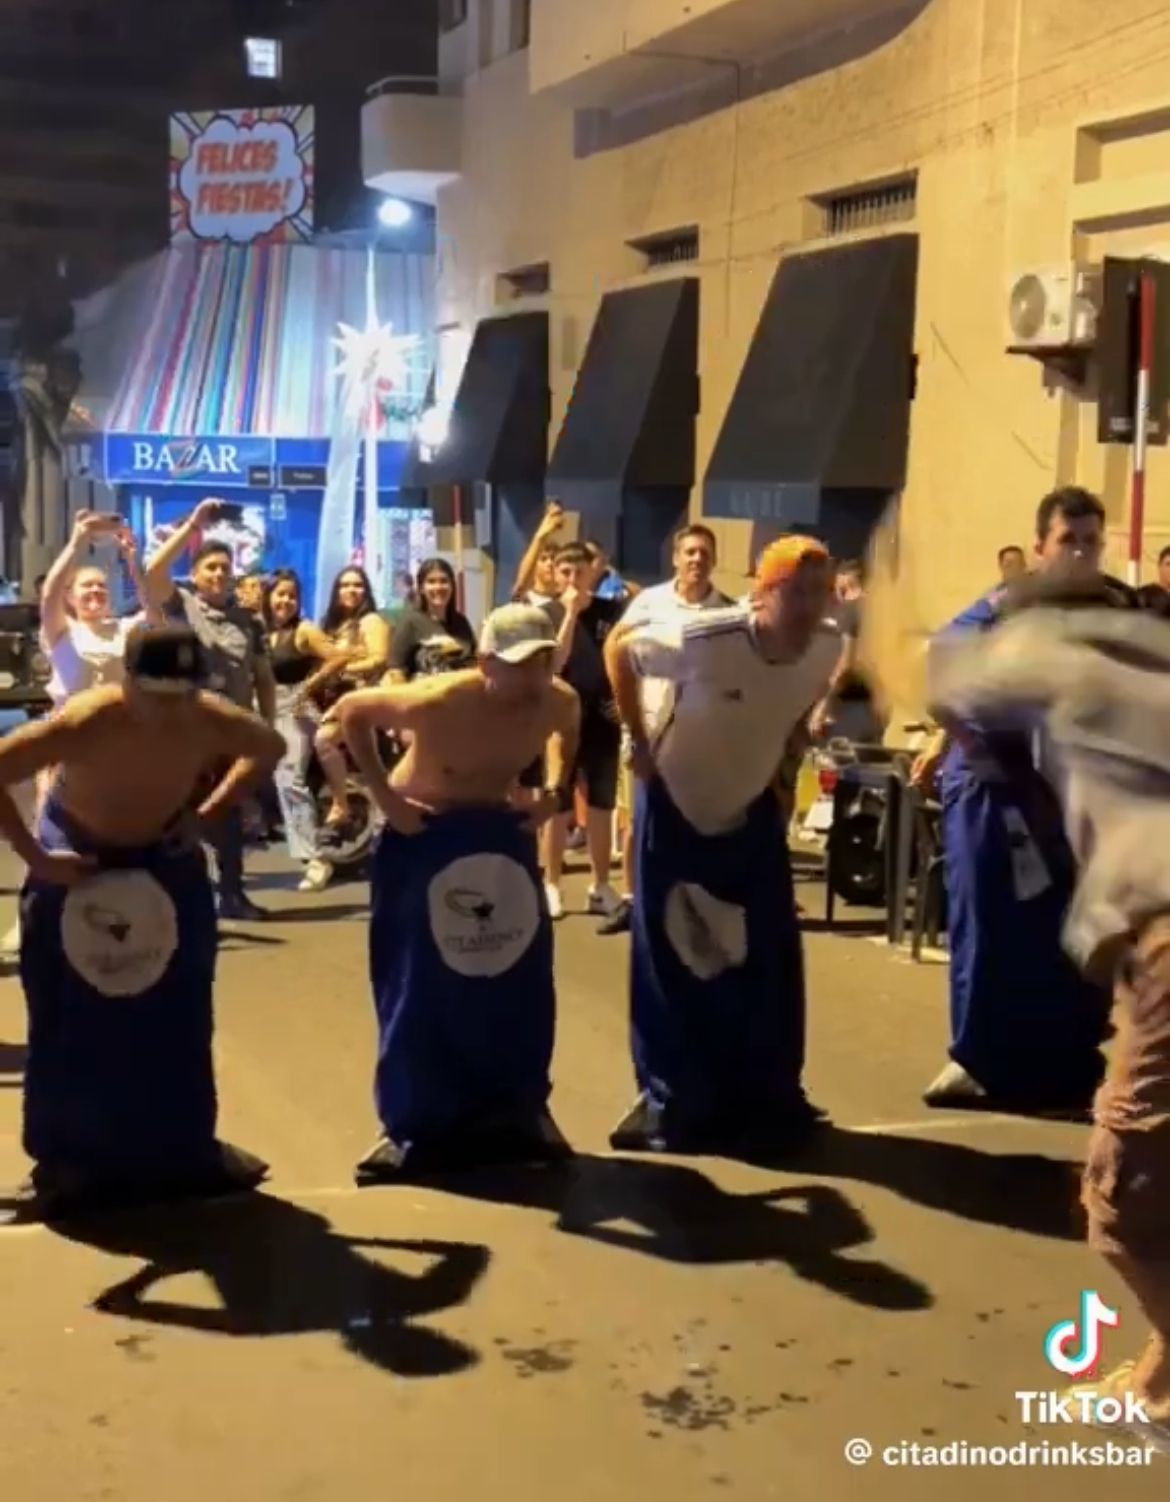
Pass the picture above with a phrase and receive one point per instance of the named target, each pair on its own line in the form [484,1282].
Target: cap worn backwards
[166,659]
[514,633]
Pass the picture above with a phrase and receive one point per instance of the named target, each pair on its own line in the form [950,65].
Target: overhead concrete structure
[411,139]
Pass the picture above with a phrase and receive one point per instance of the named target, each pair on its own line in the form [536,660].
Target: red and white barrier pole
[1147,306]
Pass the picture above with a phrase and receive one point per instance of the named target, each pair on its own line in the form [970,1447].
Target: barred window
[872,207]
[526,281]
[668,248]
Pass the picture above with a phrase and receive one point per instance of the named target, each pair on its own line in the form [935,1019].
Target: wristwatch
[563,796]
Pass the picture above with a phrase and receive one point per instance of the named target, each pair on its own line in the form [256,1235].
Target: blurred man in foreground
[1026,1025]
[1098,681]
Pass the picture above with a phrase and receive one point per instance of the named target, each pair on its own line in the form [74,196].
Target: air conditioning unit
[1054,307]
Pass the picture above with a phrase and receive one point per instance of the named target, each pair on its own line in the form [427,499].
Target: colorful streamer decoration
[232,341]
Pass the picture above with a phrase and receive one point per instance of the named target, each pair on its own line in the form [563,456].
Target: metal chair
[930,883]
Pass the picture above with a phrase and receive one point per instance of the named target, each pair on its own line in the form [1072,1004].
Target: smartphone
[229,511]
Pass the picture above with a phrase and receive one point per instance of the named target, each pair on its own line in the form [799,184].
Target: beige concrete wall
[988,100]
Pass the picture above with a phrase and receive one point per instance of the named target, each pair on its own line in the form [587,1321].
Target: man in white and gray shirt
[688,593]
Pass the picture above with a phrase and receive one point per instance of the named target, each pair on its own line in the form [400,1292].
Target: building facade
[841,194]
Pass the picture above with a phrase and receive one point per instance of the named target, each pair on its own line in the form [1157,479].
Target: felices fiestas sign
[242,176]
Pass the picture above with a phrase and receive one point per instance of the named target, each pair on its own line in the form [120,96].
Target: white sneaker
[603,901]
[318,875]
[556,906]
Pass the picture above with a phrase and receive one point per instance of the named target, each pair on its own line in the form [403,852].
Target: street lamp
[395,213]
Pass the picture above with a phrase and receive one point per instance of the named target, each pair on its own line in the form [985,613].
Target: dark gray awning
[631,419]
[499,422]
[823,400]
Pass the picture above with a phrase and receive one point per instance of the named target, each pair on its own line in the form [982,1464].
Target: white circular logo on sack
[708,935]
[120,931]
[484,914]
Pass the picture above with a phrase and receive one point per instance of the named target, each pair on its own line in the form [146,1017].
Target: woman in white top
[83,640]
[84,643]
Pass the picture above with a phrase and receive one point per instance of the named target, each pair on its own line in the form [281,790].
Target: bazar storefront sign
[186,460]
[242,461]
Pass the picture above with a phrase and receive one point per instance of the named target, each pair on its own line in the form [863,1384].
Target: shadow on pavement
[280,1269]
[233,938]
[321,914]
[676,1213]
[846,928]
[1021,1192]
[12,1060]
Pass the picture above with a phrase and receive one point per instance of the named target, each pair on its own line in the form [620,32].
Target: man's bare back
[127,764]
[468,748]
[128,775]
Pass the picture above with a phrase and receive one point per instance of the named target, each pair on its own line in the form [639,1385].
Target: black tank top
[290,666]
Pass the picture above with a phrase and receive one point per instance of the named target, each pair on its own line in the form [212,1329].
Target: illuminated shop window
[263,54]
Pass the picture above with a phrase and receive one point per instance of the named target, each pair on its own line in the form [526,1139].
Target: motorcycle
[347,846]
[852,813]
[24,669]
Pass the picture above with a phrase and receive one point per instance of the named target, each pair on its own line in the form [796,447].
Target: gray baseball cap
[514,633]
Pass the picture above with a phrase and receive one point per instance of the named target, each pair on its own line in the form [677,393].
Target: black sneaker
[651,1127]
[236,908]
[483,1143]
[55,1192]
[618,921]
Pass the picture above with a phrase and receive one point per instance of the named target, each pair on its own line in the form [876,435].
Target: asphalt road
[671,1328]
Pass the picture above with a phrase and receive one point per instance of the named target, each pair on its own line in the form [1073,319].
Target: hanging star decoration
[374,364]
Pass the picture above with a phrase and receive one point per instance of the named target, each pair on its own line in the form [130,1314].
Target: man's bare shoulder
[445,688]
[105,705]
[216,707]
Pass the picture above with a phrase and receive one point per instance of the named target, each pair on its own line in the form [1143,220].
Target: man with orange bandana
[717,980]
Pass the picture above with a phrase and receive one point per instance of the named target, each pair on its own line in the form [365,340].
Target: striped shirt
[732,711]
[662,602]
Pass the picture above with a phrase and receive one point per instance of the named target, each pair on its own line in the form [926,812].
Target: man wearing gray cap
[461,954]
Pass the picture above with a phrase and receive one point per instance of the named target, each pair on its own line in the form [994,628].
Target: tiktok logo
[1073,1346]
